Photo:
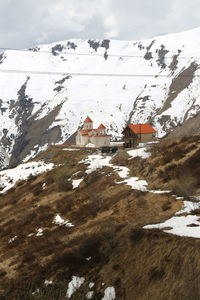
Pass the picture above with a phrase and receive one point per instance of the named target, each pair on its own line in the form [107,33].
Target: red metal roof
[101,126]
[88,120]
[142,128]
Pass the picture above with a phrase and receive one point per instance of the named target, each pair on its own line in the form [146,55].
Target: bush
[61,178]
[37,190]
[31,291]
[92,177]
[141,202]
[166,206]
[121,159]
[64,186]
[156,273]
[184,185]
[137,235]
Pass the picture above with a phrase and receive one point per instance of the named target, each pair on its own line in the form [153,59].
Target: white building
[89,135]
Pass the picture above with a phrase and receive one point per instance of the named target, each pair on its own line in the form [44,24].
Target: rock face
[40,106]
[4,159]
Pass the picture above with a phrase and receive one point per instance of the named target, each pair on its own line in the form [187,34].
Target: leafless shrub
[166,206]
[136,235]
[61,178]
[184,185]
[141,202]
[121,158]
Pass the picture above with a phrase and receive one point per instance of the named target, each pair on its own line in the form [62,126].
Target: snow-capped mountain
[38,108]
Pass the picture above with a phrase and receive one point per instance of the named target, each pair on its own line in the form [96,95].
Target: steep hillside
[79,225]
[38,109]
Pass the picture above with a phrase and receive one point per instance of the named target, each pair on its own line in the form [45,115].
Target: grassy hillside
[105,243]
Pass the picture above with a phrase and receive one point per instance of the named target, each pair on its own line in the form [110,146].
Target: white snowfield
[188,225]
[9,177]
[110,100]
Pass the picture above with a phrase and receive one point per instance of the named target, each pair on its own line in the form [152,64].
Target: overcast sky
[25,23]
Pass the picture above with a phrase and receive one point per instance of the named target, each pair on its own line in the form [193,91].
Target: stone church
[95,136]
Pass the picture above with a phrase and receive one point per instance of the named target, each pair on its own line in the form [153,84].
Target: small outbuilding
[138,133]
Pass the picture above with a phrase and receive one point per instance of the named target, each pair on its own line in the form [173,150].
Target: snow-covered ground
[97,161]
[9,177]
[180,224]
[112,100]
[141,152]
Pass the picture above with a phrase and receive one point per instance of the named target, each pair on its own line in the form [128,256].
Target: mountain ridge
[162,87]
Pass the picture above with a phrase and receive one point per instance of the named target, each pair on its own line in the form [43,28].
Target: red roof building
[101,126]
[142,128]
[88,120]
[138,133]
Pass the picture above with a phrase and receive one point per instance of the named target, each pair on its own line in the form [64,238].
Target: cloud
[110,24]
[24,23]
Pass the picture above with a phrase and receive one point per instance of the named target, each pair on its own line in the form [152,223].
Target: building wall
[81,140]
[97,141]
[84,140]
[147,137]
[78,139]
[88,126]
[100,141]
[131,139]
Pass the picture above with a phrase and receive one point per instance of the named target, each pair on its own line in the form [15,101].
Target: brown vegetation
[108,219]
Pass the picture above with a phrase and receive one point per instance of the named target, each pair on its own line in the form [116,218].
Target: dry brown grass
[184,185]
[108,218]
[120,159]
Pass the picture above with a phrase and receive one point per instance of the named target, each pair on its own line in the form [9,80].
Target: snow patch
[141,152]
[39,232]
[188,207]
[136,184]
[9,177]
[61,222]
[109,293]
[91,284]
[181,225]
[48,282]
[96,162]
[76,182]
[12,239]
[74,285]
[90,295]
[90,145]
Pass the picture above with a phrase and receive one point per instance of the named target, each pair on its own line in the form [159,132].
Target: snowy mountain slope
[39,109]
[4,159]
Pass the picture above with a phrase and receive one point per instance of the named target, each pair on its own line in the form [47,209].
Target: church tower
[88,124]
